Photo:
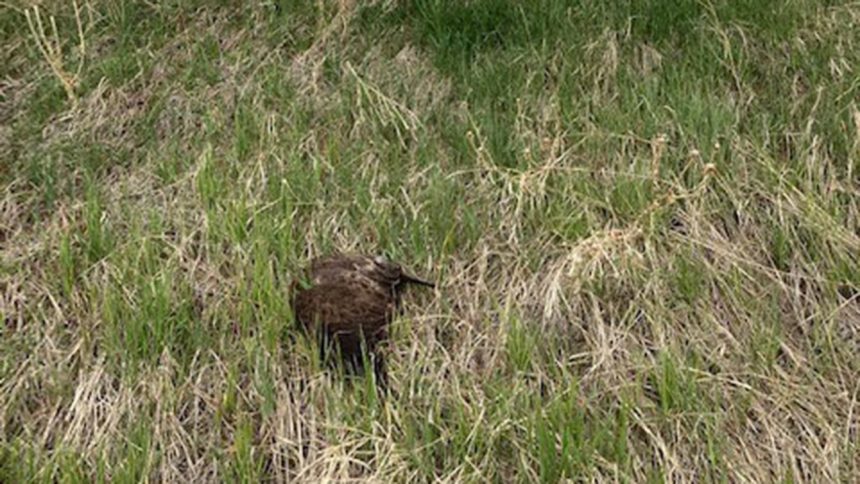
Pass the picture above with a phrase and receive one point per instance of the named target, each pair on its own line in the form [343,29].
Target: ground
[643,216]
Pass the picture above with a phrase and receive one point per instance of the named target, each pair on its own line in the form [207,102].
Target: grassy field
[644,218]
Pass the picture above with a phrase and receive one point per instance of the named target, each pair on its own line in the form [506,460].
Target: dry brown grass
[622,304]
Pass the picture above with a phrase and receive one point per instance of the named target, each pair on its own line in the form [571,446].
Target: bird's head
[394,272]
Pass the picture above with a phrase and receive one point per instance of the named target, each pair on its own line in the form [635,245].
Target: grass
[644,218]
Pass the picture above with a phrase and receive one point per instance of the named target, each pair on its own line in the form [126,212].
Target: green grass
[644,218]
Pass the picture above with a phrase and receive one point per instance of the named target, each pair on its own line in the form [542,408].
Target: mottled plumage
[346,298]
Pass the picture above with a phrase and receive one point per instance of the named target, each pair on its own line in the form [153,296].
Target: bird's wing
[336,262]
[336,269]
[344,308]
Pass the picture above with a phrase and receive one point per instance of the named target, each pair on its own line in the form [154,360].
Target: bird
[348,301]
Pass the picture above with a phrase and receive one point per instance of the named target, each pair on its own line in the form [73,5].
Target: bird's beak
[407,277]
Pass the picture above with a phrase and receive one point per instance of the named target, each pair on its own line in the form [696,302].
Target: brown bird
[345,300]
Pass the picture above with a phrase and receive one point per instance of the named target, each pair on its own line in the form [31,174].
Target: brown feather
[350,298]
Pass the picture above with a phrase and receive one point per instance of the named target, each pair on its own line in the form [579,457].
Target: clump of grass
[46,36]
[644,217]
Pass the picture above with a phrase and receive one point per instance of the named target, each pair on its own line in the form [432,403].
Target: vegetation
[644,217]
